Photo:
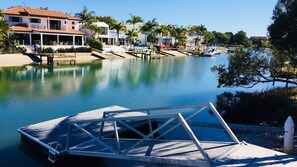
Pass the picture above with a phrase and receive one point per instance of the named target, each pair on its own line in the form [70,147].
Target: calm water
[32,94]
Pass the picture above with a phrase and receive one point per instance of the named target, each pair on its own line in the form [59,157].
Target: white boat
[210,52]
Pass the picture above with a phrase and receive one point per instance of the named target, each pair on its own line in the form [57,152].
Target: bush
[270,107]
[13,50]
[47,50]
[72,50]
[95,43]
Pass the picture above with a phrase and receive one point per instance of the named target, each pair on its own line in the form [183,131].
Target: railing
[141,116]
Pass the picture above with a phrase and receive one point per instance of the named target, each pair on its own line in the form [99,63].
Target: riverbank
[11,60]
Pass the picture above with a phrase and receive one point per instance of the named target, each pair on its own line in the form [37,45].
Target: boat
[210,52]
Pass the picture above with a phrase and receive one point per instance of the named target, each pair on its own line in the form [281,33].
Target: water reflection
[42,81]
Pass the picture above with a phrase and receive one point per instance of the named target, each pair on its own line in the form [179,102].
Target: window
[65,22]
[73,23]
[15,19]
[32,20]
[73,27]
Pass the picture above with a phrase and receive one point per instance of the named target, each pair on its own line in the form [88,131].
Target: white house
[108,37]
[50,28]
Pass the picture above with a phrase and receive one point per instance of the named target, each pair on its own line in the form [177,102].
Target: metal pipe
[193,137]
[229,131]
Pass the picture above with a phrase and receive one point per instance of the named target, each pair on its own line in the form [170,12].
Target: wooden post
[289,135]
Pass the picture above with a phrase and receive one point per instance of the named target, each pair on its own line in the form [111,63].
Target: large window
[15,19]
[55,25]
[33,20]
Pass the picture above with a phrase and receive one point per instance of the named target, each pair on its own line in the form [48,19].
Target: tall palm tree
[134,20]
[132,35]
[163,30]
[87,17]
[180,34]
[149,29]
[120,26]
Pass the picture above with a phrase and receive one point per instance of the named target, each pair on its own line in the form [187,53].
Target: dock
[140,135]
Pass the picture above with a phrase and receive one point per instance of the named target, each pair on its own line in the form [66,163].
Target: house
[45,27]
[194,40]
[107,36]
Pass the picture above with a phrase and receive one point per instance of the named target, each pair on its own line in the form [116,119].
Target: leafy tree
[209,38]
[240,38]
[87,17]
[180,35]
[134,20]
[283,30]
[247,68]
[221,38]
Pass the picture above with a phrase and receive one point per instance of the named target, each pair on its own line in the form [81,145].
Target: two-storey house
[45,27]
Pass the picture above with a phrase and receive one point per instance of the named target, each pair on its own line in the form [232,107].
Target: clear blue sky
[251,16]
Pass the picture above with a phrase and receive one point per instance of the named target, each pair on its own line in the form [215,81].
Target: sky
[251,16]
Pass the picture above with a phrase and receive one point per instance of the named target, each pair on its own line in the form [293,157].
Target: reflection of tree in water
[42,81]
[90,80]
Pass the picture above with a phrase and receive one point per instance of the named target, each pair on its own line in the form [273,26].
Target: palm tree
[132,35]
[120,26]
[95,29]
[134,20]
[163,30]
[87,18]
[180,34]
[149,29]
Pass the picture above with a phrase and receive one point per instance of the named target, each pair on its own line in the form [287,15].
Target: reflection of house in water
[86,78]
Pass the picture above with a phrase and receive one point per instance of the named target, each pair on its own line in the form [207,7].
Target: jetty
[141,135]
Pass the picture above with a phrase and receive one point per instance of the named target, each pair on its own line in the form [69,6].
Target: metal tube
[153,132]
[177,125]
[117,136]
[95,139]
[193,137]
[229,131]
[131,128]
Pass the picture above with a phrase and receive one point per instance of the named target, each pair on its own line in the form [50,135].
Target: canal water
[32,94]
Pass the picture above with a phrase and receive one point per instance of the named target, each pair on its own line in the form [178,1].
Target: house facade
[107,36]
[47,28]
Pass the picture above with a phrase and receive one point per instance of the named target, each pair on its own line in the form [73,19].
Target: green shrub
[47,50]
[95,43]
[72,50]
[270,107]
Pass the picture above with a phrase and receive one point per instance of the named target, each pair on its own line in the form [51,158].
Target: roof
[26,29]
[26,11]
[101,24]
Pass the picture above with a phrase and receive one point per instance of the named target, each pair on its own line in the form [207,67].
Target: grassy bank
[270,107]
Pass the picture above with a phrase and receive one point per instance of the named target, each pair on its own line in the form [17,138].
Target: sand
[10,60]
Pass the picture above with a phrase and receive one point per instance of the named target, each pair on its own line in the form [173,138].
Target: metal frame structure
[117,119]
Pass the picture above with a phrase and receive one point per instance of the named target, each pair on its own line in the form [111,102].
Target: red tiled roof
[25,11]
[20,28]
[26,29]
[69,31]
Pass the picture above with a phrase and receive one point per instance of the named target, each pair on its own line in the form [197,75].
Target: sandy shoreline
[11,60]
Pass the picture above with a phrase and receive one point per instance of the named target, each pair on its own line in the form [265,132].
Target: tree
[134,20]
[209,38]
[120,26]
[221,38]
[180,35]
[283,30]
[163,30]
[247,68]
[132,35]
[87,18]
[240,38]
[149,30]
